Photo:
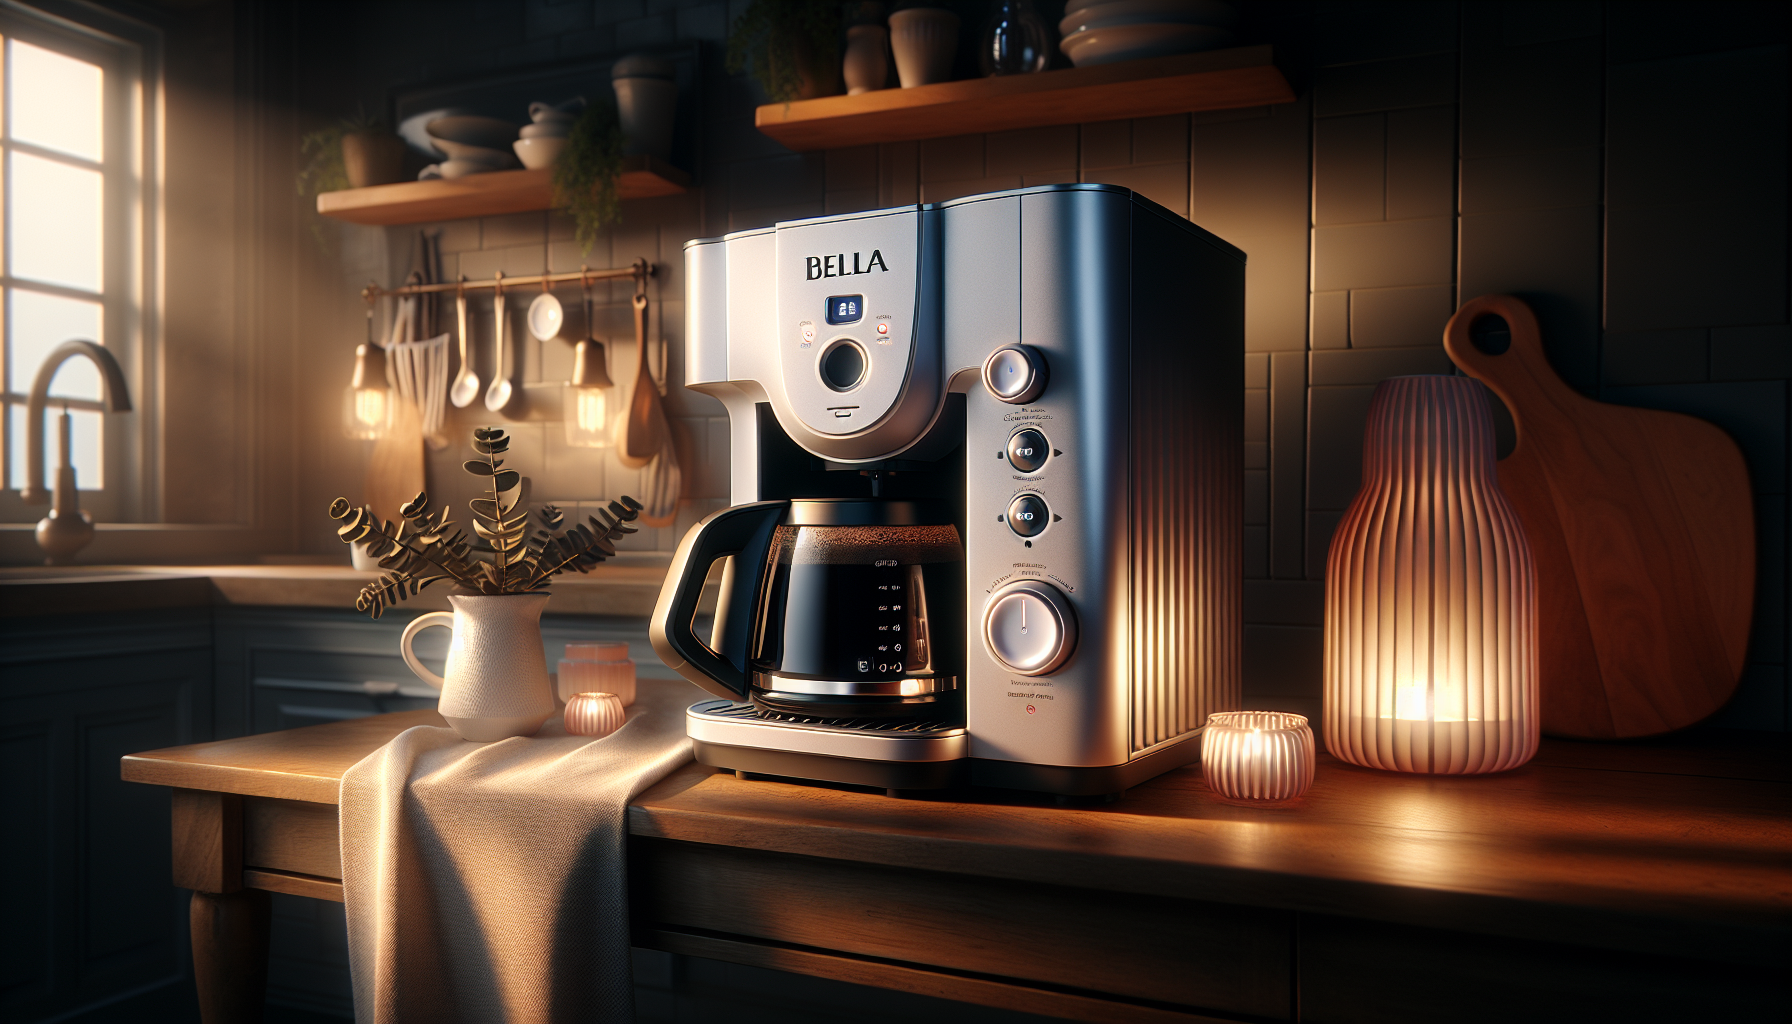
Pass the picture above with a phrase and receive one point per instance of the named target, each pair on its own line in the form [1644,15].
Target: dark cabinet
[90,914]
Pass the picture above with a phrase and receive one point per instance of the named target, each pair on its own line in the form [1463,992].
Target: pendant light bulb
[587,398]
[367,402]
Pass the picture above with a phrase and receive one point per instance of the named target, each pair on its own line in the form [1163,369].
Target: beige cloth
[486,881]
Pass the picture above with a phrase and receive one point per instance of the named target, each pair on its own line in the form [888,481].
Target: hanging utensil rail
[640,270]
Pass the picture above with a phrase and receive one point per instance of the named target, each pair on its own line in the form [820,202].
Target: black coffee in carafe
[861,613]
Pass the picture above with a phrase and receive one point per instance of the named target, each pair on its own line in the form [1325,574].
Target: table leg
[230,923]
[230,955]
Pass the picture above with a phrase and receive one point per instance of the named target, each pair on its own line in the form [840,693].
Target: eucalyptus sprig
[425,546]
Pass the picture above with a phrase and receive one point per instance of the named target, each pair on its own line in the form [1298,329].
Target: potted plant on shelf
[586,174]
[355,152]
[495,683]
[792,47]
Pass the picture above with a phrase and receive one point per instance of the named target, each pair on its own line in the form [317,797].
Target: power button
[1015,374]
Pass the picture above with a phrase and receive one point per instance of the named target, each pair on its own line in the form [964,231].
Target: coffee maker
[987,494]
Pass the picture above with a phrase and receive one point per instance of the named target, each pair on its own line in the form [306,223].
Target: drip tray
[729,723]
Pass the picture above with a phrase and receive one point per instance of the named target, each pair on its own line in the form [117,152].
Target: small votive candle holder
[597,668]
[1257,757]
[594,714]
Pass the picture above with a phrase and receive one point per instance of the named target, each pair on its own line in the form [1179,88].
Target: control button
[1026,450]
[883,328]
[1015,374]
[843,366]
[1029,627]
[808,333]
[1027,515]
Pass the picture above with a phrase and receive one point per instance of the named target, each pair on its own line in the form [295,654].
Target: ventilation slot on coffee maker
[905,725]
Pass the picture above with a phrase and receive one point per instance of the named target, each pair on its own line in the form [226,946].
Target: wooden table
[1634,882]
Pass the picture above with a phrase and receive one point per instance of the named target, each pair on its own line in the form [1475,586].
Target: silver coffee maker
[987,494]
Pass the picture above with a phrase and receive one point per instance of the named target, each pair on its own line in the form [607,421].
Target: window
[71,247]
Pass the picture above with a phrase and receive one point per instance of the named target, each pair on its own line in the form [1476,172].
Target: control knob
[1015,374]
[1029,627]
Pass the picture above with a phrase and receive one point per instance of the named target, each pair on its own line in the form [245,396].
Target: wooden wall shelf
[485,195]
[1244,76]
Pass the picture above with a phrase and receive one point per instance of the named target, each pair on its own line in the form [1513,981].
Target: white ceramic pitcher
[497,677]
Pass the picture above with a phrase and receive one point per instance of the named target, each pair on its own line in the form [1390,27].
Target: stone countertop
[628,585]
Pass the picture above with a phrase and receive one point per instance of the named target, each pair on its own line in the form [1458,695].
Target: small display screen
[845,309]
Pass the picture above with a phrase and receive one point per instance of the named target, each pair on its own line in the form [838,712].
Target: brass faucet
[66,529]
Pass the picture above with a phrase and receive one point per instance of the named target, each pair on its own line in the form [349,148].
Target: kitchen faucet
[66,529]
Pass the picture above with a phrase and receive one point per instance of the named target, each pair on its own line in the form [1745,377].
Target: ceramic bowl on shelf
[1147,12]
[472,130]
[547,130]
[482,154]
[462,168]
[1217,12]
[564,112]
[1132,42]
[539,152]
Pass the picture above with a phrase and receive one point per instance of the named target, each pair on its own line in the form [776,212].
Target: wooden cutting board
[1643,531]
[395,469]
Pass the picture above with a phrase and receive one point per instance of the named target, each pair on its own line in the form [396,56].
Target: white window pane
[56,100]
[85,451]
[53,222]
[38,323]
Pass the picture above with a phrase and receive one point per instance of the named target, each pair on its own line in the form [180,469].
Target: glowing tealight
[1257,756]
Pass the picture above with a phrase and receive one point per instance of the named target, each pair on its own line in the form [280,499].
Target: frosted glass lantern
[1430,595]
[1257,756]
[597,668]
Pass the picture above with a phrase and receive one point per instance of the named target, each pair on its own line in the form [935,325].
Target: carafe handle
[744,532]
[418,625]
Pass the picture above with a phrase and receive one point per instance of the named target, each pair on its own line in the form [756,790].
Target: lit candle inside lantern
[1259,757]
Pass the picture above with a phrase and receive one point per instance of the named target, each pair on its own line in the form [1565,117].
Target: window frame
[130,165]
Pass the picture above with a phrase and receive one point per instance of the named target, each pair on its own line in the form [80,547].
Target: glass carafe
[861,613]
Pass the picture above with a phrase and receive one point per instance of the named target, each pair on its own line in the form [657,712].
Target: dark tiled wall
[1621,166]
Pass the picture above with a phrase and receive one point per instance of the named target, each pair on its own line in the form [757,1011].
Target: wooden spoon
[644,431]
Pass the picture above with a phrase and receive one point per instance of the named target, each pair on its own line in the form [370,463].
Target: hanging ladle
[498,395]
[466,383]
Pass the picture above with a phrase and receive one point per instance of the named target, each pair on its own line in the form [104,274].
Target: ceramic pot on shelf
[495,684]
[867,66]
[646,102]
[924,40]
[372,158]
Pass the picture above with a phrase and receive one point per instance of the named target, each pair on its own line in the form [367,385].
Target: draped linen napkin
[486,881]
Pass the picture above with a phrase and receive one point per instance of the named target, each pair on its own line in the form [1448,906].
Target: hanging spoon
[466,383]
[497,396]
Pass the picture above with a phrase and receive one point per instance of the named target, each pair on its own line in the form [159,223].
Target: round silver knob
[1015,374]
[1029,627]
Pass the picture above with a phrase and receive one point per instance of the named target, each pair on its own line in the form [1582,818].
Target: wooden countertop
[1646,847]
[628,585]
